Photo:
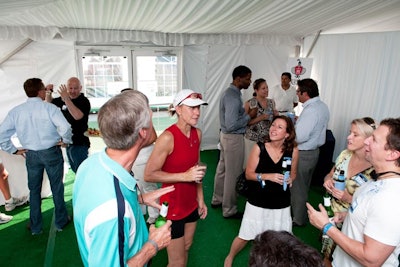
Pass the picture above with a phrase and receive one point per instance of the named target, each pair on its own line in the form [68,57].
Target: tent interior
[351,45]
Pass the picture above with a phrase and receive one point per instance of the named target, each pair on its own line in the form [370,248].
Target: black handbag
[242,185]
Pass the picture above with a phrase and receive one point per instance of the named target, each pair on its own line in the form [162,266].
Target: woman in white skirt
[268,206]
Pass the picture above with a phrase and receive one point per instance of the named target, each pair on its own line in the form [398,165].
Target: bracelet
[259,178]
[151,241]
[326,228]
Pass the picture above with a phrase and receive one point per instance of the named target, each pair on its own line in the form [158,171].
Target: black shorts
[178,227]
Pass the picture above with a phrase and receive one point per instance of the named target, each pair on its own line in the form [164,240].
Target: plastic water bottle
[286,166]
[340,182]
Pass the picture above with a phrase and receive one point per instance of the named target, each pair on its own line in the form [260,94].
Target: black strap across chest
[375,175]
[121,213]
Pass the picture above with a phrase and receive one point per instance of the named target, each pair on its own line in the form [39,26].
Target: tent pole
[313,43]
[16,50]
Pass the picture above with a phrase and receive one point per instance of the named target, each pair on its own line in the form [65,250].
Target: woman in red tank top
[174,161]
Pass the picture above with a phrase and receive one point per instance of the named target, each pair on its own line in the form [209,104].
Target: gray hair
[122,117]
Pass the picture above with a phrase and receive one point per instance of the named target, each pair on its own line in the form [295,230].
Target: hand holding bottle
[49,88]
[340,182]
[204,165]
[195,174]
[162,217]
[325,248]
[274,177]
[269,114]
[162,235]
[329,184]
[342,195]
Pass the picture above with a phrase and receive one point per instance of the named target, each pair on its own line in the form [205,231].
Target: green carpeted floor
[211,243]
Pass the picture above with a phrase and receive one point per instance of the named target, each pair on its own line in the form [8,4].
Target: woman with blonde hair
[357,170]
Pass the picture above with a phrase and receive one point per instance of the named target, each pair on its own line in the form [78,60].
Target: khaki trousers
[230,166]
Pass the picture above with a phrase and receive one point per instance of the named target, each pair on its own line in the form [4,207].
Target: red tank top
[183,200]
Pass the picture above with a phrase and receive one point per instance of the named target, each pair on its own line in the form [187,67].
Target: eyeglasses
[192,96]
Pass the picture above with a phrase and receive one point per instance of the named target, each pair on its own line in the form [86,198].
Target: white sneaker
[17,201]
[4,218]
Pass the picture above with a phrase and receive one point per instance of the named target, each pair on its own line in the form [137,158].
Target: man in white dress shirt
[284,95]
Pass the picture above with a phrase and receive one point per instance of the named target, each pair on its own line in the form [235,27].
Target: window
[104,76]
[156,75]
[105,71]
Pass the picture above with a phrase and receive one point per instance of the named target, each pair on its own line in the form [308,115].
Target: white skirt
[257,220]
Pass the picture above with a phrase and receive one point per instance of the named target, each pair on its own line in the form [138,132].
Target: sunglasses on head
[370,122]
[193,96]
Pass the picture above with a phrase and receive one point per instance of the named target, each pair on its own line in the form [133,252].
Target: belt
[282,111]
[309,149]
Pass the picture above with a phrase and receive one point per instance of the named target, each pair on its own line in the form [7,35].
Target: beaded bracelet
[326,228]
[154,244]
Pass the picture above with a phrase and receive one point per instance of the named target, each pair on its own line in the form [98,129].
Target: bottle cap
[164,209]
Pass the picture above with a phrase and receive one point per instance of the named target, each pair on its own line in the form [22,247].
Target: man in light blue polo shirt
[109,222]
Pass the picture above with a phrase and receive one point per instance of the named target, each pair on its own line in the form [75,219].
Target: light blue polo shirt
[96,213]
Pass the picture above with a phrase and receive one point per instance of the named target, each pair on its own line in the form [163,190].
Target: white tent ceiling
[294,18]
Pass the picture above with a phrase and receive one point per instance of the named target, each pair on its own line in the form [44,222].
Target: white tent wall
[208,69]
[52,61]
[358,76]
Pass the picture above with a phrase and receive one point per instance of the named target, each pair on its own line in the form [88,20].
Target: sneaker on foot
[17,201]
[4,218]
[37,233]
[28,226]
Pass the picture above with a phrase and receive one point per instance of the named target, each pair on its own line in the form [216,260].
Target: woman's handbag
[242,185]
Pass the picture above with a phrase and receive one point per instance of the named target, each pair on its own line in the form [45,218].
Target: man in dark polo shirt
[75,108]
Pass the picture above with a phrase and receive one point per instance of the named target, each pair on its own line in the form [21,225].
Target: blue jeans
[76,154]
[52,161]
